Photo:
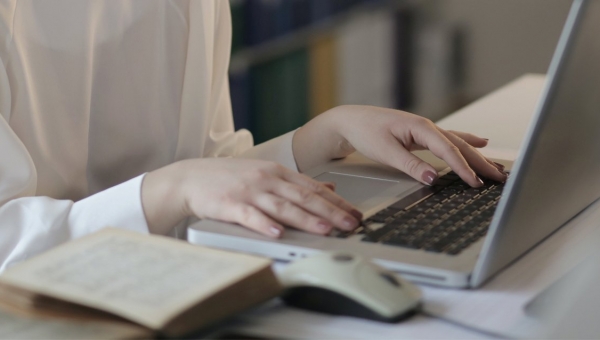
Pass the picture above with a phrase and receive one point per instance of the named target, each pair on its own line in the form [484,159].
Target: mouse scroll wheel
[390,278]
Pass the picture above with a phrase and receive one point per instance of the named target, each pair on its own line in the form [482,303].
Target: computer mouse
[343,283]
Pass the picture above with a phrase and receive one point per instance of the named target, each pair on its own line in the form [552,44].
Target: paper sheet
[278,321]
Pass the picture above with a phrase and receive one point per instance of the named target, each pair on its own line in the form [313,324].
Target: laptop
[450,234]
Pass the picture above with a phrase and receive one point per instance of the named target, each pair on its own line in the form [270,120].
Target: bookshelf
[301,37]
[293,59]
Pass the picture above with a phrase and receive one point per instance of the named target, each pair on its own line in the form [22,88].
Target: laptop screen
[557,173]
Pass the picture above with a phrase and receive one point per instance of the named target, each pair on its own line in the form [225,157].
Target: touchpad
[356,189]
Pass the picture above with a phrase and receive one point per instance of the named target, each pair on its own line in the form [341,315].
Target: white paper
[278,321]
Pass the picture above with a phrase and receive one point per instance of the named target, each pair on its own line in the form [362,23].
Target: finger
[291,215]
[477,142]
[427,134]
[473,140]
[322,190]
[479,163]
[252,218]
[500,167]
[400,158]
[315,204]
[417,147]
[330,185]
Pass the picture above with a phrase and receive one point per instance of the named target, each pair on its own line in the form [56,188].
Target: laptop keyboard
[447,218]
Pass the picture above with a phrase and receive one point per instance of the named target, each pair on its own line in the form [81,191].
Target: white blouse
[93,94]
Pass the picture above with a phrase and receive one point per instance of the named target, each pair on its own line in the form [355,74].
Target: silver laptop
[451,234]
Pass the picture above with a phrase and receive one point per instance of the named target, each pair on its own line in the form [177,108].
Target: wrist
[163,199]
[321,140]
[337,118]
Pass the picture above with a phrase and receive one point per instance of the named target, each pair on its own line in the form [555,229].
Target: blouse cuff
[277,150]
[119,207]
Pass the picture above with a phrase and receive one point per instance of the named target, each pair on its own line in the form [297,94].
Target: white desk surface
[502,116]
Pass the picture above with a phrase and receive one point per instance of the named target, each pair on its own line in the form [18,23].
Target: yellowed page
[147,279]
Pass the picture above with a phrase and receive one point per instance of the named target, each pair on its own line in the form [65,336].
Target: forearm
[319,141]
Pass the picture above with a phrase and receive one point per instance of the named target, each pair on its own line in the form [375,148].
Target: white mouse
[343,283]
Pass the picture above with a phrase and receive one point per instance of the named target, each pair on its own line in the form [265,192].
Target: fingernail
[479,180]
[486,139]
[356,214]
[275,231]
[429,177]
[499,166]
[350,223]
[330,185]
[505,175]
[323,226]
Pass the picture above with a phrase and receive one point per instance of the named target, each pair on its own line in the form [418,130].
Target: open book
[118,277]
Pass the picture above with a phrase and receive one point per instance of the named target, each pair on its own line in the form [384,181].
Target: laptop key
[450,217]
[403,242]
[376,235]
[451,175]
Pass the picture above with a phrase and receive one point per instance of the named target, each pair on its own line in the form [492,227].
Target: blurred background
[294,59]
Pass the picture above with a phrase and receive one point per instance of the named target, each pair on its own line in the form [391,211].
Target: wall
[505,38]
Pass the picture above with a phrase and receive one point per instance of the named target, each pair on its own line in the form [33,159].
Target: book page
[147,279]
[20,327]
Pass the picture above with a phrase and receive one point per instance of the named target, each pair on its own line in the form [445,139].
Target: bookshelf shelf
[302,37]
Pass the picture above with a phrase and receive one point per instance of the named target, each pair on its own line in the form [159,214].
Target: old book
[18,326]
[164,286]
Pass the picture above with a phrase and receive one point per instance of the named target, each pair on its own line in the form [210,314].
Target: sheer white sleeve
[278,150]
[30,225]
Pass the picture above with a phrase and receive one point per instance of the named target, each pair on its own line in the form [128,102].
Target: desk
[503,117]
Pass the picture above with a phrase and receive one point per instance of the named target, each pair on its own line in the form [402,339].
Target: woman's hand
[257,194]
[387,136]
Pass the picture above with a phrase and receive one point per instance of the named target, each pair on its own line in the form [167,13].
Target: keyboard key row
[447,220]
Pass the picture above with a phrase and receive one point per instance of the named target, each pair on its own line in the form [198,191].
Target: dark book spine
[404,52]
[239,85]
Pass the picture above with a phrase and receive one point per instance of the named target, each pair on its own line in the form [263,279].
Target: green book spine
[280,95]
[238,23]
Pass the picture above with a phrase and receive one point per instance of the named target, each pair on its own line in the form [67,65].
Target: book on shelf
[239,87]
[365,47]
[238,22]
[258,21]
[404,56]
[121,284]
[279,95]
[322,75]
